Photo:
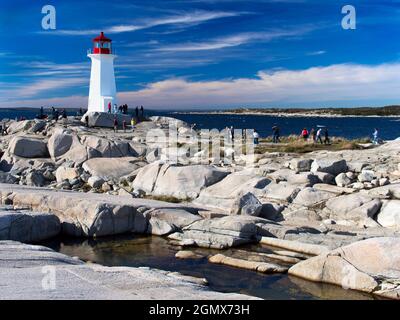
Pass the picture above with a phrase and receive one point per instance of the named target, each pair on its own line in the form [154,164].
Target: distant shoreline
[371,112]
[284,115]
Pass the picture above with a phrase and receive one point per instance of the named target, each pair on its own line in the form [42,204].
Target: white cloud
[61,102]
[234,40]
[190,19]
[342,82]
[316,53]
[40,86]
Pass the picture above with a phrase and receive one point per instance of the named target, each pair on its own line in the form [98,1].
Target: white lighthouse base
[105,120]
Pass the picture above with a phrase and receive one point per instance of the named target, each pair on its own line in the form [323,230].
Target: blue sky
[204,54]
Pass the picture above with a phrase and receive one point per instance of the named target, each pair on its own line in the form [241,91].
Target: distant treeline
[362,111]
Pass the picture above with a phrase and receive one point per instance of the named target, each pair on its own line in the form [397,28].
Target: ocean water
[348,127]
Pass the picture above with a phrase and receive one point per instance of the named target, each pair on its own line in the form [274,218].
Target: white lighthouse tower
[102,92]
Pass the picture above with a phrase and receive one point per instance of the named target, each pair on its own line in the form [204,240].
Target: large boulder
[18,126]
[65,173]
[223,194]
[187,181]
[366,176]
[300,165]
[36,126]
[168,121]
[311,197]
[28,148]
[103,119]
[147,177]
[342,180]
[371,266]
[30,126]
[105,147]
[78,154]
[26,226]
[339,207]
[389,216]
[167,220]
[246,204]
[60,142]
[282,191]
[95,182]
[112,168]
[328,165]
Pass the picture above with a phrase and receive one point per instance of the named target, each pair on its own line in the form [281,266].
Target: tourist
[87,121]
[326,141]
[64,114]
[115,108]
[375,136]
[256,136]
[232,133]
[80,112]
[115,124]
[133,122]
[109,107]
[141,112]
[4,129]
[137,113]
[56,114]
[124,125]
[313,135]
[304,134]
[275,134]
[318,137]
[53,112]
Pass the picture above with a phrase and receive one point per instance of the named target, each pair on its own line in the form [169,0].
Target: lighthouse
[102,90]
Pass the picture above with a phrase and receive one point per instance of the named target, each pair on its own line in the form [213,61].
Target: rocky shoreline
[330,215]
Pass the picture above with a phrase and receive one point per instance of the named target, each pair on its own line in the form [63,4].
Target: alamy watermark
[49,278]
[49,20]
[205,146]
[349,21]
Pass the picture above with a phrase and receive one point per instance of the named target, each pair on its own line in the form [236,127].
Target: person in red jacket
[304,134]
[109,107]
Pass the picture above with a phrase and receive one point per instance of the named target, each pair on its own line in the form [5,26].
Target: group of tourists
[55,113]
[316,135]
[115,109]
[139,115]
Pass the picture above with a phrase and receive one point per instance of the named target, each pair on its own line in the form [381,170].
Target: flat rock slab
[263,267]
[23,268]
[306,248]
[85,214]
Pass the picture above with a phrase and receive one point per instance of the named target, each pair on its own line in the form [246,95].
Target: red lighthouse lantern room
[101,44]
